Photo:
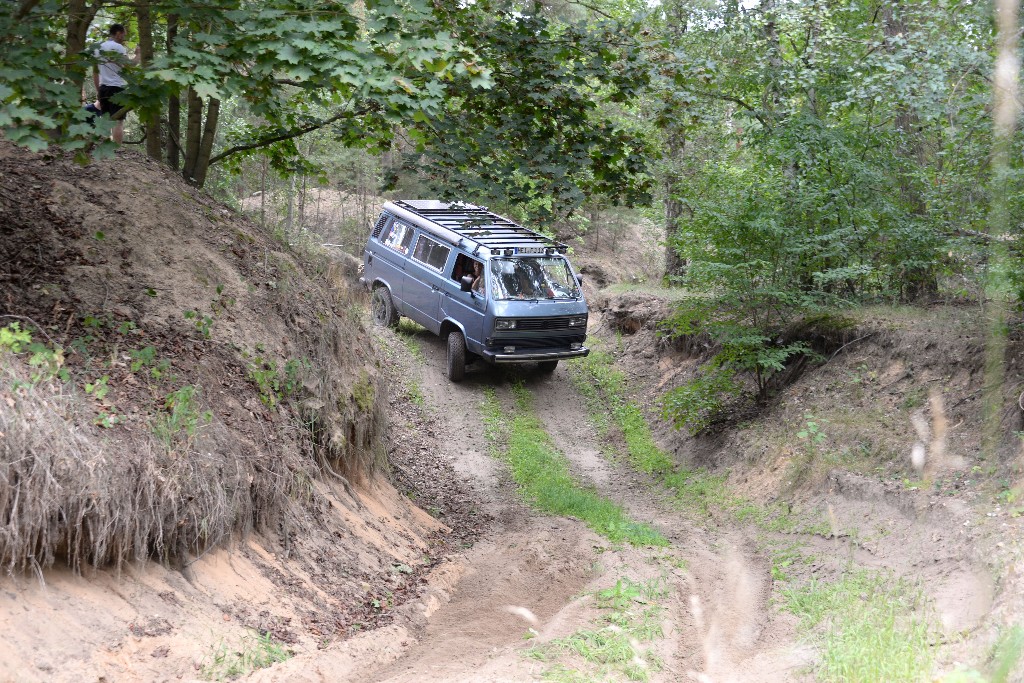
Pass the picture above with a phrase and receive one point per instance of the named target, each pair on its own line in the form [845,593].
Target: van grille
[542,323]
[538,342]
[380,224]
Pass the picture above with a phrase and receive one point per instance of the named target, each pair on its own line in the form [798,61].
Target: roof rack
[478,225]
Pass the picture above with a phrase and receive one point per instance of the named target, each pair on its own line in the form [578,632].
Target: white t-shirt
[110,68]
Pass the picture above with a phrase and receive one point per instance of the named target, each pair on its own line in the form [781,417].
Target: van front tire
[456,356]
[382,308]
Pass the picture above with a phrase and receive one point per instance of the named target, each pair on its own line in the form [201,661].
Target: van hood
[523,308]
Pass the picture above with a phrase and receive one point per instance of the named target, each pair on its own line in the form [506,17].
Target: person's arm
[137,59]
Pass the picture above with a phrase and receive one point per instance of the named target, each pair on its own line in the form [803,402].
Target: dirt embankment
[878,441]
[200,396]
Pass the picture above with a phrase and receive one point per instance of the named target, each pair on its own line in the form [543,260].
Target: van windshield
[534,277]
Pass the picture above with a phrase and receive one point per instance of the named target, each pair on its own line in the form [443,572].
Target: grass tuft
[614,645]
[875,628]
[257,652]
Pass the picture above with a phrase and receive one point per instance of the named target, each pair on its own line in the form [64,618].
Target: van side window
[463,266]
[398,237]
[384,219]
[434,254]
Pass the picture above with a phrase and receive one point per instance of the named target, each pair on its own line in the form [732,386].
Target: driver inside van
[524,287]
[478,277]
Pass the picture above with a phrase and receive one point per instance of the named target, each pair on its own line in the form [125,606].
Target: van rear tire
[382,308]
[547,366]
[456,356]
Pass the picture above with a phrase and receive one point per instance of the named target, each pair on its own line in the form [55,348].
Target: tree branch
[24,8]
[286,135]
[735,100]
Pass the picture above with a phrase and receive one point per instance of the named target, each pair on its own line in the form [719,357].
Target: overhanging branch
[286,135]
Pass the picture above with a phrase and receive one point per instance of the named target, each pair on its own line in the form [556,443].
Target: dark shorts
[106,92]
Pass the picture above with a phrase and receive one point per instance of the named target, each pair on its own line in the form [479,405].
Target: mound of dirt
[188,380]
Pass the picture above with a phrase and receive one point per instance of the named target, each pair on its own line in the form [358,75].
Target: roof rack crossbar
[480,226]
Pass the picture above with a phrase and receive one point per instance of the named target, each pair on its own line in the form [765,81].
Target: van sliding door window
[432,253]
[398,237]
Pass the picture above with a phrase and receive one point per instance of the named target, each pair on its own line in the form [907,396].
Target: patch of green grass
[259,652]
[415,393]
[784,557]
[1006,654]
[182,418]
[363,393]
[543,476]
[613,645]
[914,398]
[409,332]
[873,627]
[604,388]
[1000,663]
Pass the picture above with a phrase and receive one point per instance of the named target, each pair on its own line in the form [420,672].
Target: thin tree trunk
[771,95]
[193,133]
[291,204]
[674,264]
[80,15]
[173,105]
[263,192]
[302,202]
[920,281]
[206,145]
[150,115]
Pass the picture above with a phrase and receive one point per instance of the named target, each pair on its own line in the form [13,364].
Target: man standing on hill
[106,76]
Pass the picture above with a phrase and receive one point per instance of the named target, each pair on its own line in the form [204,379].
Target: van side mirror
[466,281]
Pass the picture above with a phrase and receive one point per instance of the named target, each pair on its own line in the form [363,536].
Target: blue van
[495,290]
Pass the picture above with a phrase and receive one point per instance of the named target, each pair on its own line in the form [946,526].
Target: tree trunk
[675,266]
[291,204]
[770,97]
[150,115]
[80,15]
[302,202]
[173,105]
[921,281]
[206,146]
[193,133]
[263,192]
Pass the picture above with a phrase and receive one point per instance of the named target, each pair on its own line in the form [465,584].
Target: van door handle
[435,288]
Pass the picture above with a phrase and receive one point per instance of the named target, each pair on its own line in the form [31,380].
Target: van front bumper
[527,355]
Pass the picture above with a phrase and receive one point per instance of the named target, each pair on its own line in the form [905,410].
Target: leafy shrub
[697,403]
[47,362]
[747,331]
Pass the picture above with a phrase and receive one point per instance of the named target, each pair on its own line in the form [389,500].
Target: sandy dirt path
[540,572]
[530,582]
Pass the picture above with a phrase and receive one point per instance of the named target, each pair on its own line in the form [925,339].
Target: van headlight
[578,321]
[505,324]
